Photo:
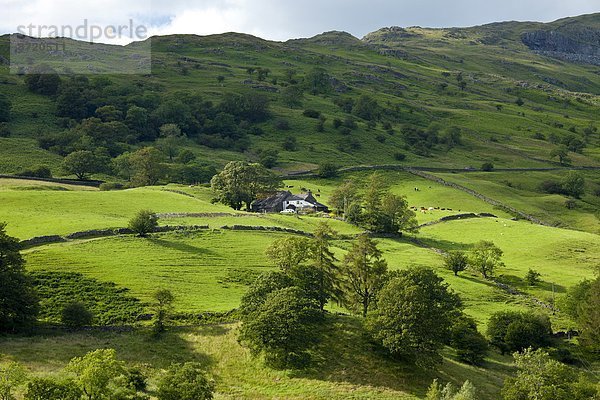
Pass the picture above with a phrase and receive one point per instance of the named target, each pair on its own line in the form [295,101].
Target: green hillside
[488,133]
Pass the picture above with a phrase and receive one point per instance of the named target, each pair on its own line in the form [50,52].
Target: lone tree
[18,301]
[363,274]
[573,184]
[486,258]
[76,315]
[415,311]
[144,222]
[82,163]
[241,184]
[162,307]
[456,261]
[562,152]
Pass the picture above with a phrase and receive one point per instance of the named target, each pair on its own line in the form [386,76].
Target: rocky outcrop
[575,45]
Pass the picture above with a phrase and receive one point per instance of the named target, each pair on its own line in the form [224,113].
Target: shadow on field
[478,280]
[50,352]
[445,245]
[178,246]
[346,355]
[522,285]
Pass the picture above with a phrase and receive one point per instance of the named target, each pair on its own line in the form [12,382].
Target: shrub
[76,315]
[516,331]
[399,156]
[144,222]
[12,376]
[268,158]
[350,123]
[471,347]
[337,123]
[487,167]
[327,170]
[533,277]
[551,187]
[380,138]
[185,382]
[311,113]
[185,157]
[282,124]
[108,186]
[50,389]
[290,143]
[136,379]
[41,171]
[4,130]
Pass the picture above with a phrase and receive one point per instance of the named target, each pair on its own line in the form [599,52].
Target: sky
[269,19]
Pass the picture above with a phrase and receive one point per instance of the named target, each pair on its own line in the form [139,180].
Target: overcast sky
[282,19]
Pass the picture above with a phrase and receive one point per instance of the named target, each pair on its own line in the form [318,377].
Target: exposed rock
[577,45]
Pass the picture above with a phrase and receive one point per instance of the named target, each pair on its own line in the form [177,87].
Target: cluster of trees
[107,121]
[373,206]
[485,258]
[100,375]
[292,300]
[141,167]
[423,141]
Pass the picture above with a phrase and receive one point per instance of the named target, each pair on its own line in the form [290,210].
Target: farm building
[285,200]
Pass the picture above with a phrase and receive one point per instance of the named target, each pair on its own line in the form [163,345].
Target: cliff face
[575,45]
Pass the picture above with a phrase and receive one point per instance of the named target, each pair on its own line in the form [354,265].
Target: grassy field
[521,191]
[347,366]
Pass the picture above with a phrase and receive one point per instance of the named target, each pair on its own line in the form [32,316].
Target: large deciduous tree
[241,184]
[145,165]
[18,300]
[414,314]
[282,328]
[486,258]
[363,274]
[456,261]
[82,163]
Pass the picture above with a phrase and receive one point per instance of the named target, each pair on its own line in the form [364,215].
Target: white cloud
[281,19]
